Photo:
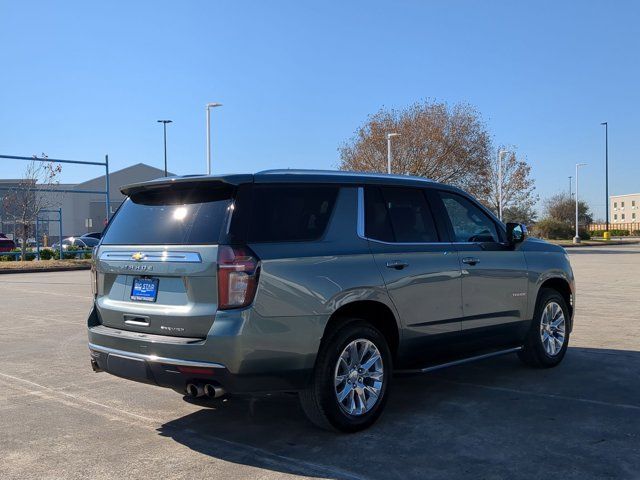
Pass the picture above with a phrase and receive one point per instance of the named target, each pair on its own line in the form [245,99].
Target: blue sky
[81,79]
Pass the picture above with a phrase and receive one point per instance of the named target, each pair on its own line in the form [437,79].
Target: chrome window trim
[153,358]
[158,256]
[361,234]
[360,225]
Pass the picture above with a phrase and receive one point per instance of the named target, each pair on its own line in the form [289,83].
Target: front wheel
[548,338]
[351,378]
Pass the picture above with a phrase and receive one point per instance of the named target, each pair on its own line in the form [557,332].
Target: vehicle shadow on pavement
[494,419]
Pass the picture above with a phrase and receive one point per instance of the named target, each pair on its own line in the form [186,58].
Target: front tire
[548,338]
[349,388]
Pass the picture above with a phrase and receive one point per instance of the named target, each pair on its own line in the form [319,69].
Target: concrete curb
[44,270]
[608,244]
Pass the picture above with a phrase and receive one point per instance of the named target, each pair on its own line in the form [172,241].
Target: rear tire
[354,362]
[548,338]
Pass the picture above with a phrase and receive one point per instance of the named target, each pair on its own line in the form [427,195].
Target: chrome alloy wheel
[552,328]
[359,375]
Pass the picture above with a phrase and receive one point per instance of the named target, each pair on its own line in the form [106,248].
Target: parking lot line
[301,467]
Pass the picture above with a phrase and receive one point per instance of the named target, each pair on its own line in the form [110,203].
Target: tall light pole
[389,154]
[500,153]
[209,107]
[606,173]
[164,126]
[576,239]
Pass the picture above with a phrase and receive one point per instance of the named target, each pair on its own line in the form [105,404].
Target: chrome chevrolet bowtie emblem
[138,256]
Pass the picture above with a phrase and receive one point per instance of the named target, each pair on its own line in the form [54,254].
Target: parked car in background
[6,244]
[97,235]
[83,243]
[320,283]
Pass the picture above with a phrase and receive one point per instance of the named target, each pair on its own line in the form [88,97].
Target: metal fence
[631,226]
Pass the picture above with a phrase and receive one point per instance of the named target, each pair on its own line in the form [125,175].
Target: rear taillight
[237,276]
[94,279]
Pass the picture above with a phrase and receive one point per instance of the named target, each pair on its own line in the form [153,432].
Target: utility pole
[500,153]
[576,239]
[606,174]
[164,125]
[389,153]
[208,108]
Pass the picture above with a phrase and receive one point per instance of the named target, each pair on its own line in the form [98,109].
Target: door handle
[397,264]
[470,260]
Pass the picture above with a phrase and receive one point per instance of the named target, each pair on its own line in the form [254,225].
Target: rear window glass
[170,216]
[290,213]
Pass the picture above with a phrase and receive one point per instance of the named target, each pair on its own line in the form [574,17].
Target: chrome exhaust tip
[214,391]
[194,390]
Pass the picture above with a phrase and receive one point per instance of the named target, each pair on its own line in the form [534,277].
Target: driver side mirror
[516,233]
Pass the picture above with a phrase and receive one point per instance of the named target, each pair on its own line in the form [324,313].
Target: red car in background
[6,245]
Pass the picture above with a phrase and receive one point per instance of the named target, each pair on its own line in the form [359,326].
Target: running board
[462,361]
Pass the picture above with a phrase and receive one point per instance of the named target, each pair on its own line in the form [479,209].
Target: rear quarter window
[290,213]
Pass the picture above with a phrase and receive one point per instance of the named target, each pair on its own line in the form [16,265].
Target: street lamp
[389,154]
[606,176]
[576,239]
[209,107]
[500,153]
[164,126]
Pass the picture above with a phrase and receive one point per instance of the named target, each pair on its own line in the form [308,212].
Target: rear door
[157,262]
[494,275]
[419,266]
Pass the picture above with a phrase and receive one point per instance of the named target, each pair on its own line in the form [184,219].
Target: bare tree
[562,208]
[518,188]
[449,145]
[24,202]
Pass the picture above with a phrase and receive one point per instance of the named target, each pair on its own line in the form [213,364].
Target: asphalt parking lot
[495,419]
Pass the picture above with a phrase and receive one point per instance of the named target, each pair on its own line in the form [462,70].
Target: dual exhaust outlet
[209,390]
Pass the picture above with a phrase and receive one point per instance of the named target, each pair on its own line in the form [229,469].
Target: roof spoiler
[186,181]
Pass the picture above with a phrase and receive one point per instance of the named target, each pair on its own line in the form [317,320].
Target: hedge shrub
[614,232]
[46,254]
[552,229]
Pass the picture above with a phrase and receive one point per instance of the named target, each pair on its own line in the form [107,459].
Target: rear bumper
[240,354]
[164,372]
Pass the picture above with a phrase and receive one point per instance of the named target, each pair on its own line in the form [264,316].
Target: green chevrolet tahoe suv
[320,283]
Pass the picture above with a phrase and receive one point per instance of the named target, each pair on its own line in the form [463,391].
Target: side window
[401,215]
[470,224]
[290,213]
[376,218]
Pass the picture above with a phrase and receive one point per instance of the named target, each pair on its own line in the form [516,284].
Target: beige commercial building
[624,208]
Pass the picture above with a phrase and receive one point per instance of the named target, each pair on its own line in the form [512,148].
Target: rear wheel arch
[379,315]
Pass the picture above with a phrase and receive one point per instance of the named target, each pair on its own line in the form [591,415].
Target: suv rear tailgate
[157,261]
[186,299]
